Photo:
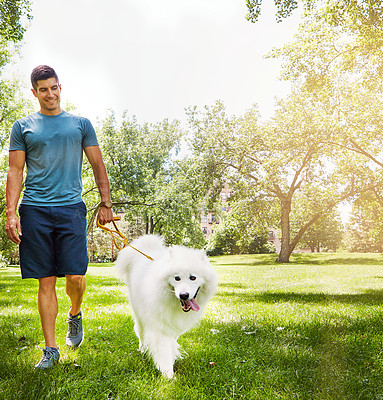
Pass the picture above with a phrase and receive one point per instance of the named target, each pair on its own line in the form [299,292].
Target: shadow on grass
[334,259]
[299,259]
[370,297]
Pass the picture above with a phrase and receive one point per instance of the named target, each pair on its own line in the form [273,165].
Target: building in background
[208,220]
[275,239]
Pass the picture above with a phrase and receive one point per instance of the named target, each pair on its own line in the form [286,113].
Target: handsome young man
[51,232]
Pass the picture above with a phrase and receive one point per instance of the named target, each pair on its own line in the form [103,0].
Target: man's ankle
[74,314]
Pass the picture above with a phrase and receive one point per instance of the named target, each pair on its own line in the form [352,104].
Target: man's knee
[47,284]
[76,281]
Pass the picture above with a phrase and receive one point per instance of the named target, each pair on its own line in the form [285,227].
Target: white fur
[155,288]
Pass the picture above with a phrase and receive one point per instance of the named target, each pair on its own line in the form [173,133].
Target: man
[51,232]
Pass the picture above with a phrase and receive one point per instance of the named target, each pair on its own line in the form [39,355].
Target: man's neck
[51,112]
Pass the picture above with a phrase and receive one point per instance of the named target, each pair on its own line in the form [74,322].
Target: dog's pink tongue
[194,305]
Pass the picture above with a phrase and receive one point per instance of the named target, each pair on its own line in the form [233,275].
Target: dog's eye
[192,278]
[177,278]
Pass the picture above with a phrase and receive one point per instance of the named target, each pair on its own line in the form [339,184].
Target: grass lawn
[311,329]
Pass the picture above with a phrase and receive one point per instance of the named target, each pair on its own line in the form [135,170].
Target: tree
[147,182]
[281,157]
[340,64]
[13,15]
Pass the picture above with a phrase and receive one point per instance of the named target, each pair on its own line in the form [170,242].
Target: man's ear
[34,92]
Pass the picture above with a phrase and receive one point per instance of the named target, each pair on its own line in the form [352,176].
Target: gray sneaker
[75,334]
[50,357]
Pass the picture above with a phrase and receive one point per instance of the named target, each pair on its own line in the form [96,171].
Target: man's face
[48,93]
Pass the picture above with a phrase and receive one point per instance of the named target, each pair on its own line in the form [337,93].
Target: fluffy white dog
[162,292]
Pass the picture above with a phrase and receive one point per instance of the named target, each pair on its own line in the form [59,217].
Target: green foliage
[325,235]
[335,65]
[11,19]
[244,228]
[284,9]
[7,248]
[138,155]
[148,182]
[13,106]
[336,45]
[364,17]
[231,237]
[14,15]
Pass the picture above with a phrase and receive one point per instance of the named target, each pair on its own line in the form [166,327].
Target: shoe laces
[74,324]
[47,354]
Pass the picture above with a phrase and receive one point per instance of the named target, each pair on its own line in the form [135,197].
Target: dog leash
[118,237]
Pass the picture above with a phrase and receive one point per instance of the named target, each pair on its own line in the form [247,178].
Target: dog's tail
[152,245]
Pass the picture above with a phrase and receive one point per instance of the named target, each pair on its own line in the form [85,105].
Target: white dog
[162,292]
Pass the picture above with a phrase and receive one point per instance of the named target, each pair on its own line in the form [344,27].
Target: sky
[155,58]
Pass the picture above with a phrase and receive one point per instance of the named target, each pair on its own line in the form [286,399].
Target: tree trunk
[312,247]
[151,225]
[284,255]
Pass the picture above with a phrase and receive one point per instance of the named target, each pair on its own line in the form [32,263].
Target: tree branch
[305,161]
[360,150]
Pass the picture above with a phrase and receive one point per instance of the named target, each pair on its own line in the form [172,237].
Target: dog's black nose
[184,296]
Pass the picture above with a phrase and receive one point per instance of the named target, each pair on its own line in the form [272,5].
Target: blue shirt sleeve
[17,139]
[89,134]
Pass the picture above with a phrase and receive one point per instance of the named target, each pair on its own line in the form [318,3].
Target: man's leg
[75,289]
[48,308]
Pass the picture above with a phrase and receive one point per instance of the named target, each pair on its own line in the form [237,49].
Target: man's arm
[13,190]
[93,153]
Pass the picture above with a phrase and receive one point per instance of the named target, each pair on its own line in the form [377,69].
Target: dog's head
[190,277]
[186,287]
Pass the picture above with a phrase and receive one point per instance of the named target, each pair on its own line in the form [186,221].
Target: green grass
[311,329]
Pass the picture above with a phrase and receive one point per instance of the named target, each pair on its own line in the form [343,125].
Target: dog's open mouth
[191,304]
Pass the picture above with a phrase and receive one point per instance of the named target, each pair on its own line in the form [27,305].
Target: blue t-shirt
[53,148]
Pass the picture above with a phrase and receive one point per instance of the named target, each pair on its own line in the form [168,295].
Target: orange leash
[120,241]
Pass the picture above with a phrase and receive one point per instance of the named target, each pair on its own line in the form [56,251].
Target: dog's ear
[202,255]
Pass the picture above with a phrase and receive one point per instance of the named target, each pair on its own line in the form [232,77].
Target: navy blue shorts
[53,241]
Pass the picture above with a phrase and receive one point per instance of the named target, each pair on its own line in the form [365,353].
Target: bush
[230,241]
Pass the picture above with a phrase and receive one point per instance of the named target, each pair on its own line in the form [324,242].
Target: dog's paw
[168,374]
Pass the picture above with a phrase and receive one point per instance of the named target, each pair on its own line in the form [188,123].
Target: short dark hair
[42,72]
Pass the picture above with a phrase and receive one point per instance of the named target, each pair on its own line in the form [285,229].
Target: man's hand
[13,228]
[105,215]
